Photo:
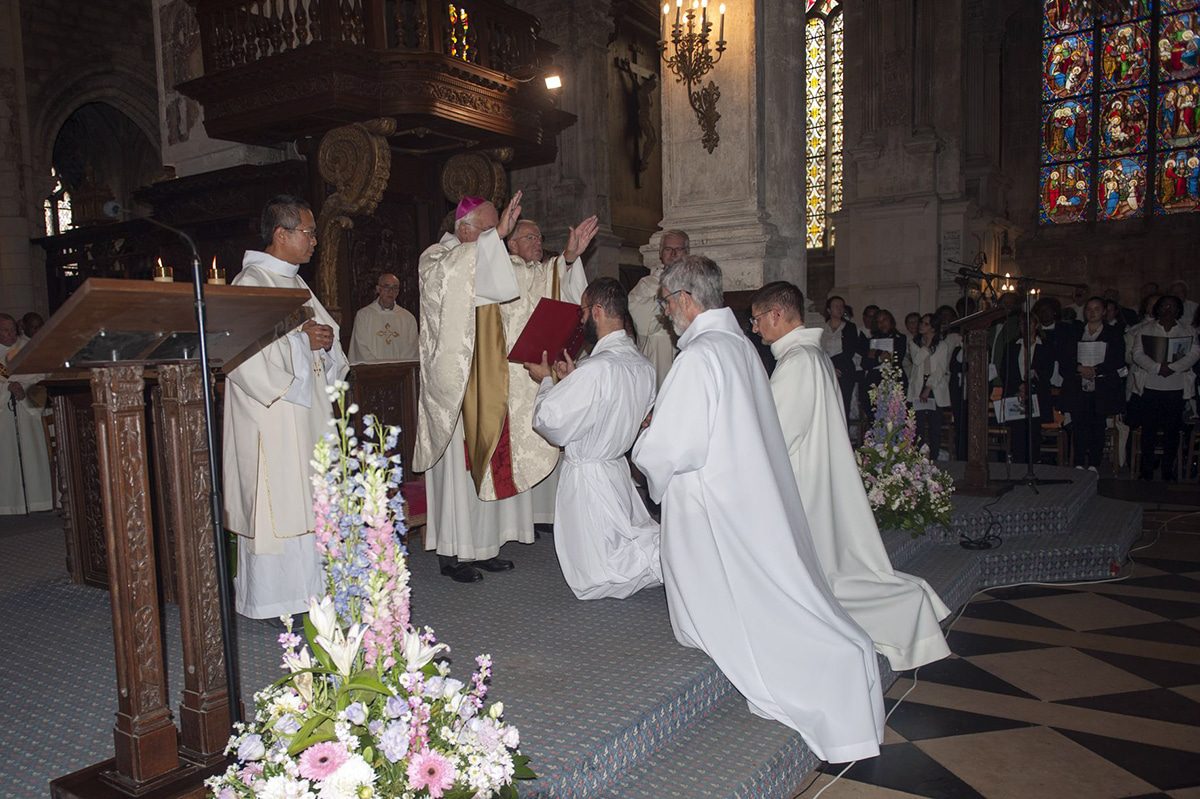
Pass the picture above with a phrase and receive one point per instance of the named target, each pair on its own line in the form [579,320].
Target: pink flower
[430,771]
[321,760]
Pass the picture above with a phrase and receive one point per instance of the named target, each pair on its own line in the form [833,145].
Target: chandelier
[692,60]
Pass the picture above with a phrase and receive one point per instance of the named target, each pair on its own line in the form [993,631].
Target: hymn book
[1164,350]
[553,326]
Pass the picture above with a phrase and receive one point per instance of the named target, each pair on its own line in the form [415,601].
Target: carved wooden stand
[974,329]
[151,760]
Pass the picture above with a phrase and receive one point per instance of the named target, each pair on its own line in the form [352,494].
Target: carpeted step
[953,572]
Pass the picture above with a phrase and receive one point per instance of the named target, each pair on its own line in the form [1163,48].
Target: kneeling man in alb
[475,439]
[742,576]
[899,611]
[607,544]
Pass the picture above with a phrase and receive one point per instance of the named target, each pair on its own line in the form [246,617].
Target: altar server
[742,577]
[607,544]
[474,305]
[24,460]
[900,612]
[383,331]
[276,409]
[653,339]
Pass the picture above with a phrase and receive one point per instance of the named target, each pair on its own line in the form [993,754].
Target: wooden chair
[1135,453]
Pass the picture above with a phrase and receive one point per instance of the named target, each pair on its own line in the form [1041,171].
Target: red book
[552,327]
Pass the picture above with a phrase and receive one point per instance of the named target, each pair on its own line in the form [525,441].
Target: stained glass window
[823,119]
[1120,132]
[57,208]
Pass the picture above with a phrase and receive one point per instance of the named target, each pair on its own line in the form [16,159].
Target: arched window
[1119,97]
[823,120]
[57,207]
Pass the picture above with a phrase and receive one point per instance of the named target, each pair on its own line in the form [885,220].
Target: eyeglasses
[386,287]
[754,319]
[674,249]
[311,232]
[588,307]
[662,301]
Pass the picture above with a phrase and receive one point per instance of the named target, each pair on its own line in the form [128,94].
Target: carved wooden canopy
[454,76]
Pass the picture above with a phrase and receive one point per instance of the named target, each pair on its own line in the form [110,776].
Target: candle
[721,34]
[163,274]
[678,8]
[703,14]
[215,276]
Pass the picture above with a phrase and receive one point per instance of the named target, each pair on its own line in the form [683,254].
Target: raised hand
[564,367]
[539,371]
[579,237]
[508,219]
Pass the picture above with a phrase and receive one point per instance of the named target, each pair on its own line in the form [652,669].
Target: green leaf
[508,792]
[314,731]
[367,681]
[521,769]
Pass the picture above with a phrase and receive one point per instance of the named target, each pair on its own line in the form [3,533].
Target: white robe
[455,279]
[276,409]
[383,335]
[607,544]
[654,340]
[743,579]
[900,612]
[22,422]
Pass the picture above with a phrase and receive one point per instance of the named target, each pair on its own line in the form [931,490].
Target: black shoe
[494,565]
[462,573]
[542,527]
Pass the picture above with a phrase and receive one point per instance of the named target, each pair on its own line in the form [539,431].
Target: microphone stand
[229,647]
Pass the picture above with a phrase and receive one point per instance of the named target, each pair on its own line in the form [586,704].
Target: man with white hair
[653,339]
[475,438]
[383,331]
[1180,289]
[742,576]
[24,460]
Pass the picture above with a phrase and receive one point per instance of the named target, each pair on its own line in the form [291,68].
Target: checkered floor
[1088,691]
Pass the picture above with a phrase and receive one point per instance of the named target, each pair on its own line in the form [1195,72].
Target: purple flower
[356,713]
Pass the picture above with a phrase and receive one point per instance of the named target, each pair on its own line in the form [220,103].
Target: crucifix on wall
[638,101]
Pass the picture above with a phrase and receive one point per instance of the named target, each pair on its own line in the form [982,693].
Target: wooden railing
[487,33]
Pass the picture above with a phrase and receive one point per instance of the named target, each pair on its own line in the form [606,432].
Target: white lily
[303,682]
[343,648]
[417,653]
[323,616]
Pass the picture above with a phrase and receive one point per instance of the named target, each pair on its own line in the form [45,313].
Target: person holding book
[1163,355]
[1093,382]
[929,387]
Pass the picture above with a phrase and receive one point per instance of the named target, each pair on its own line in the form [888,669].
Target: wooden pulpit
[115,330]
[974,330]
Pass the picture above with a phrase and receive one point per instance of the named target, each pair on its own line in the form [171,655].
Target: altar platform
[609,705]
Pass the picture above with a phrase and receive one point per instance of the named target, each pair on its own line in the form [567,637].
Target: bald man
[383,331]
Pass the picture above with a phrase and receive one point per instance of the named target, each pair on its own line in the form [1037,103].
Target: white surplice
[276,409]
[653,339]
[383,335]
[23,453]
[607,544]
[743,579]
[456,278]
[900,612]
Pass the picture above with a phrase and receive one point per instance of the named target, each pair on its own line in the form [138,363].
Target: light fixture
[1007,285]
[553,81]
[692,60]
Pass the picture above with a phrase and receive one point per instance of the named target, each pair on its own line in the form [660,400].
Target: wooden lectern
[116,329]
[974,330]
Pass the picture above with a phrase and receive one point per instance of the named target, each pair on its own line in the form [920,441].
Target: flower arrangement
[365,709]
[906,490]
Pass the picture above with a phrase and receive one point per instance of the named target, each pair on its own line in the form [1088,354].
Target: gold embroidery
[388,334]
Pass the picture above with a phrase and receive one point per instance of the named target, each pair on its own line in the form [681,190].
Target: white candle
[721,34]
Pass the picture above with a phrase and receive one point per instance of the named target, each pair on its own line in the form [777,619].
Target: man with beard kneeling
[607,544]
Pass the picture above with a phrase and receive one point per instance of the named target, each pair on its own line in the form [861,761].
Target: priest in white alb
[653,339]
[900,612]
[742,577]
[475,438]
[383,331]
[606,541]
[24,460]
[276,409]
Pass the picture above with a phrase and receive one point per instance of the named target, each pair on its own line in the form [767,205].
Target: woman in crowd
[884,344]
[1163,355]
[929,388]
[1036,384]
[840,341]
[1093,390]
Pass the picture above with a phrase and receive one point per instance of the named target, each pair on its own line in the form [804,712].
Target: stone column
[743,204]
[185,144]
[22,282]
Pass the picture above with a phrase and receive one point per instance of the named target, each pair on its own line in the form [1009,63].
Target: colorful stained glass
[1124,56]
[1179,46]
[1179,5]
[1067,66]
[1127,11]
[1065,193]
[821,6]
[1066,131]
[1123,123]
[1177,187]
[823,120]
[1058,17]
[1177,114]
[835,121]
[1121,188]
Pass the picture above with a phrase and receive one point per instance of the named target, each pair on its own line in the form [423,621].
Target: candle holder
[216,275]
[163,274]
[693,58]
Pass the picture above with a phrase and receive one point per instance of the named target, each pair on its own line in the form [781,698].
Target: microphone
[113,209]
